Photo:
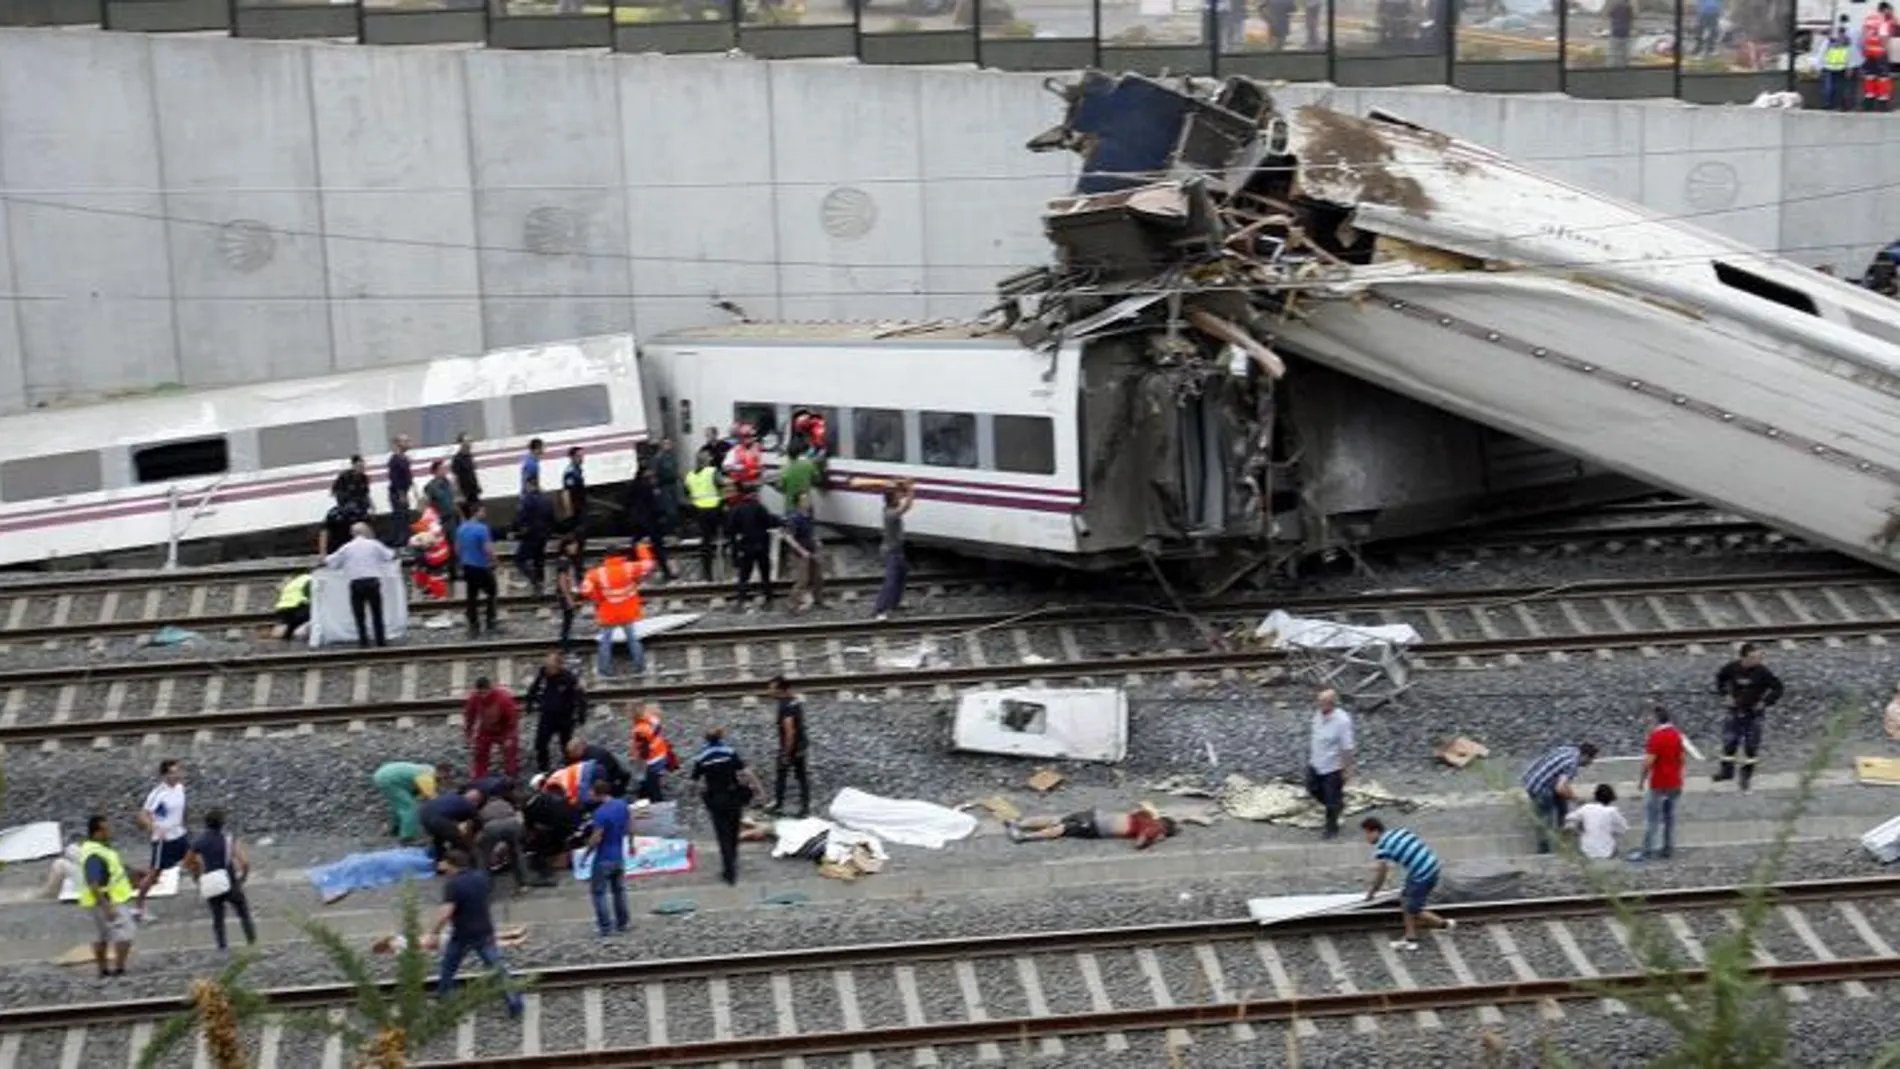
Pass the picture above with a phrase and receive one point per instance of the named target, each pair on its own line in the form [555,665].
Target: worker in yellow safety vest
[104,889]
[1836,65]
[293,604]
[702,491]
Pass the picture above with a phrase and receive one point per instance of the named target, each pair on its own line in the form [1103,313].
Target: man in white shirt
[1598,823]
[163,815]
[1329,758]
[363,560]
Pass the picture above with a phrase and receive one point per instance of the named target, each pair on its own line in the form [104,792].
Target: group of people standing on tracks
[1550,784]
[444,524]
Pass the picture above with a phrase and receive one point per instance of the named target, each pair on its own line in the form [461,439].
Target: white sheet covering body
[331,623]
[1085,724]
[901,820]
[1299,632]
[793,834]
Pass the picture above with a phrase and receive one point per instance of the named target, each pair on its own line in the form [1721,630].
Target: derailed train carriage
[1210,227]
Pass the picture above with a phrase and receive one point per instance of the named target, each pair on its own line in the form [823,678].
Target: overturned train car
[1214,235]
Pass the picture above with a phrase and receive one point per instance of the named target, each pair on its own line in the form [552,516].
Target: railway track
[241,599]
[1117,643]
[1086,993]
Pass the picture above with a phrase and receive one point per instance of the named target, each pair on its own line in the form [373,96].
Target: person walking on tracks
[466,912]
[220,865]
[491,720]
[654,754]
[1329,758]
[163,816]
[560,705]
[726,786]
[1750,689]
[1550,782]
[363,560]
[800,535]
[475,552]
[614,588]
[1402,847]
[793,746]
[897,502]
[608,845]
[104,889]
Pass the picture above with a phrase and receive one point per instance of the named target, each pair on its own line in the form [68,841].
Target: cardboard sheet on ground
[331,622]
[1286,631]
[166,887]
[29,842]
[901,820]
[1877,771]
[1884,842]
[1277,908]
[1086,724]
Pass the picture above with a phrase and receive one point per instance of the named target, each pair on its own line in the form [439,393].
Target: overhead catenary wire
[12,198]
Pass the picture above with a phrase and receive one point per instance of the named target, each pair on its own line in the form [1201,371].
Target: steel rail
[217,621]
[961,675]
[1252,1011]
[792,630]
[813,959]
[1475,597]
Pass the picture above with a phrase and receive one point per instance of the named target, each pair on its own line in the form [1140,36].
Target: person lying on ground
[1144,825]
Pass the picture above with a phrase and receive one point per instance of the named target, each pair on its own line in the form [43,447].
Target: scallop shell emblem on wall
[246,245]
[1711,186]
[554,231]
[847,213]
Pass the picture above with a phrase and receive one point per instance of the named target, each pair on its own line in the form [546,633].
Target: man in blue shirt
[475,551]
[465,905]
[1403,848]
[609,846]
[531,464]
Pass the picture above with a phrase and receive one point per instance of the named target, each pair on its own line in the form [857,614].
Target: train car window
[1026,444]
[434,425]
[949,439]
[310,442]
[561,410]
[762,416]
[878,434]
[56,475]
[181,460]
[1765,288]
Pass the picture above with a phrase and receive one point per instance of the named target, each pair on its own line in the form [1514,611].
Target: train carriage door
[1202,473]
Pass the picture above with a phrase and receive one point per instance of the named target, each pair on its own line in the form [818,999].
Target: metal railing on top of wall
[1606,49]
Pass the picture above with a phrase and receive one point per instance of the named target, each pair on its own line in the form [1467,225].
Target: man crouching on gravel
[1145,825]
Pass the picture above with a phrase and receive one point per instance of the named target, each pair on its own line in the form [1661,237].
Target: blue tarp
[361,872]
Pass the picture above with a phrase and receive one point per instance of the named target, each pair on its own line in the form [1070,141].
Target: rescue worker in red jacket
[614,588]
[1876,45]
[491,718]
[652,752]
[431,542]
[745,463]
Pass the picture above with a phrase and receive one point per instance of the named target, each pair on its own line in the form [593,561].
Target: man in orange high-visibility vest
[614,588]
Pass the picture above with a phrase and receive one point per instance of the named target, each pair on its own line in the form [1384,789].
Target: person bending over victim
[1144,825]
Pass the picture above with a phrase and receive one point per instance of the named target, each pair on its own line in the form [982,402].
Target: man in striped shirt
[1550,783]
[1402,847]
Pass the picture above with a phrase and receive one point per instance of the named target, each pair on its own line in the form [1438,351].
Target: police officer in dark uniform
[726,786]
[1750,689]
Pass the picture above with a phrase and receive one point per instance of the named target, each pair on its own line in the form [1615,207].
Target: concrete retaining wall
[203,211]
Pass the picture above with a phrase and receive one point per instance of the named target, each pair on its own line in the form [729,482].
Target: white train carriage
[233,463]
[986,429]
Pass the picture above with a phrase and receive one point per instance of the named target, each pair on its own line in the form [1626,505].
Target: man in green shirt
[798,475]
